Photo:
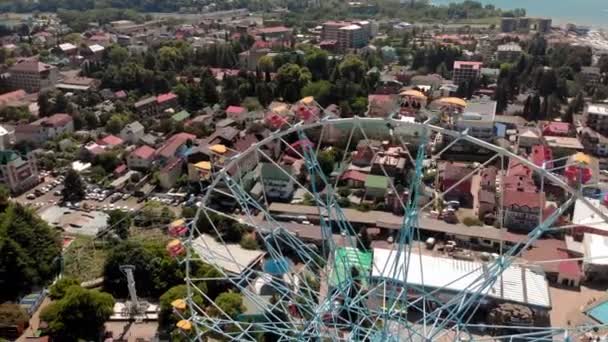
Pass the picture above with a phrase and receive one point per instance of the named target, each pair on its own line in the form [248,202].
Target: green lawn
[84,259]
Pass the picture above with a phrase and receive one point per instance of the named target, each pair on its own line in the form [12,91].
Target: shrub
[248,242]
[472,221]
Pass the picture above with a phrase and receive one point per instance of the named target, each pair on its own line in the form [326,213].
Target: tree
[291,78]
[230,304]
[120,222]
[118,54]
[116,123]
[167,318]
[59,289]
[73,187]
[13,314]
[29,252]
[352,68]
[326,159]
[317,61]
[155,271]
[61,104]
[320,90]
[45,107]
[266,64]
[80,314]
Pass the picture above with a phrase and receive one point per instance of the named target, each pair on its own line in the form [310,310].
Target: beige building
[32,76]
[17,173]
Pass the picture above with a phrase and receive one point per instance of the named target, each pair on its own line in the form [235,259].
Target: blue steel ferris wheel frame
[440,320]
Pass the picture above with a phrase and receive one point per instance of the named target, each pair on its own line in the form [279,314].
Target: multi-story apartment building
[330,29]
[278,181]
[591,76]
[32,76]
[17,173]
[508,52]
[596,116]
[464,71]
[352,37]
[45,128]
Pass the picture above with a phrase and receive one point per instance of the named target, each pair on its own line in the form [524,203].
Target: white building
[132,132]
[515,285]
[17,173]
[7,138]
[278,181]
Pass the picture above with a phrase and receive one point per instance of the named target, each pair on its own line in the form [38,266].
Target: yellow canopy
[184,324]
[413,93]
[308,100]
[174,243]
[178,223]
[221,149]
[179,304]
[581,158]
[455,101]
[204,165]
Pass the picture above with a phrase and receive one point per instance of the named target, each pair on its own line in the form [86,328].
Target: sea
[582,12]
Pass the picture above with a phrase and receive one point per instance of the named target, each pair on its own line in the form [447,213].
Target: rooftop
[516,284]
[598,109]
[231,257]
[30,66]
[472,65]
[144,152]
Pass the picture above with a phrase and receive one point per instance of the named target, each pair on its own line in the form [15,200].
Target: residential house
[180,117]
[141,158]
[484,199]
[364,154]
[32,76]
[225,136]
[18,173]
[376,187]
[522,210]
[45,128]
[7,138]
[390,162]
[353,179]
[146,106]
[277,180]
[110,142]
[564,146]
[248,161]
[542,156]
[77,84]
[169,174]
[596,117]
[528,137]
[466,71]
[594,142]
[166,101]
[132,132]
[236,113]
[558,129]
[179,145]
[591,76]
[382,106]
[455,182]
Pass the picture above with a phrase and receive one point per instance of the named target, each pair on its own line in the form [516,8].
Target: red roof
[57,120]
[354,175]
[120,169]
[521,199]
[542,154]
[110,140]
[474,65]
[170,147]
[120,94]
[144,152]
[557,128]
[276,29]
[516,168]
[162,98]
[570,268]
[235,110]
[12,96]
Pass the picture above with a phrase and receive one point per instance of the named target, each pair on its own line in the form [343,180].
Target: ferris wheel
[354,234]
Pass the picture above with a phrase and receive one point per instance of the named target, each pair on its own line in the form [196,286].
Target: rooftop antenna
[134,308]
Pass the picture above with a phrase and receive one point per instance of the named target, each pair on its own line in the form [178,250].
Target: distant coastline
[593,13]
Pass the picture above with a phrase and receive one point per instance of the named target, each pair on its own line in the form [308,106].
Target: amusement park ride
[324,295]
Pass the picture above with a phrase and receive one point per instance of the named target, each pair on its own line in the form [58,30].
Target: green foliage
[291,78]
[248,242]
[230,304]
[229,230]
[29,252]
[155,271]
[120,222]
[471,221]
[327,161]
[58,290]
[320,90]
[80,314]
[74,188]
[116,123]
[167,318]
[12,314]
